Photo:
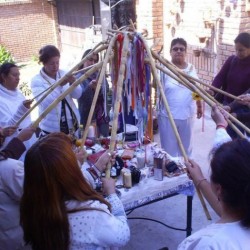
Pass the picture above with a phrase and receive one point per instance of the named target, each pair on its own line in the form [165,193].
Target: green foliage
[34,58]
[25,89]
[5,55]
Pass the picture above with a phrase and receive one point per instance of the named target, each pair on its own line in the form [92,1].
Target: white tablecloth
[149,190]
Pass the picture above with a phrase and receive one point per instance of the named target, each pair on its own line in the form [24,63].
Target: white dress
[182,107]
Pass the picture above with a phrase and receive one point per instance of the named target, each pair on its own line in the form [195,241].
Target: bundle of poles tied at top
[132,63]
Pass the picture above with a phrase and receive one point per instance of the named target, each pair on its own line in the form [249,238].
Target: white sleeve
[6,120]
[11,178]
[38,86]
[221,136]
[77,92]
[114,229]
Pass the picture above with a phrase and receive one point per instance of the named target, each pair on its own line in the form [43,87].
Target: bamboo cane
[132,25]
[202,96]
[65,93]
[55,85]
[166,62]
[41,93]
[84,69]
[119,31]
[118,95]
[74,73]
[98,87]
[204,92]
[154,71]
[219,104]
[173,69]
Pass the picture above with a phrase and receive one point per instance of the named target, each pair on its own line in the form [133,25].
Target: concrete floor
[149,235]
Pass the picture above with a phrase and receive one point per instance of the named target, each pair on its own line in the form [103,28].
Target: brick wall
[150,17]
[26,26]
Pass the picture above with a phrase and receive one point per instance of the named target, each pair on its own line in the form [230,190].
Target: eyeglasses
[175,49]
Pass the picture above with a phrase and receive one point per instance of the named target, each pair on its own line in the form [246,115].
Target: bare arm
[203,185]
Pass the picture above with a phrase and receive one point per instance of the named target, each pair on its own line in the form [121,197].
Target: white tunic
[179,97]
[223,236]
[11,188]
[11,110]
[39,83]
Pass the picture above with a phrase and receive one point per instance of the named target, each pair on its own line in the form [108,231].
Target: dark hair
[244,39]
[230,168]
[180,41]
[52,176]
[47,52]
[5,69]
[86,52]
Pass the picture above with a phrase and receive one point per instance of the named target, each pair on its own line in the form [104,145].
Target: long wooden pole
[165,62]
[118,94]
[65,93]
[186,82]
[204,95]
[55,85]
[156,77]
[98,87]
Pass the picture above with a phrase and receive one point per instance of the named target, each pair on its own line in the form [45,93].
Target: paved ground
[149,235]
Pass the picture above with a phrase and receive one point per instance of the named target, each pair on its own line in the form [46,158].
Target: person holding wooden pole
[65,116]
[234,78]
[181,104]
[100,116]
[228,193]
[13,106]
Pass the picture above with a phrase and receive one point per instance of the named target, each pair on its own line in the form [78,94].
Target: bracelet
[220,126]
[199,182]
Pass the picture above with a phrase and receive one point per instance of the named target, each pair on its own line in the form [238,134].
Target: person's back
[11,179]
[94,233]
[229,236]
[60,210]
[11,189]
[229,194]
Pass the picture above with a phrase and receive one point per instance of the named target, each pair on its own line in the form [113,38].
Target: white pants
[168,139]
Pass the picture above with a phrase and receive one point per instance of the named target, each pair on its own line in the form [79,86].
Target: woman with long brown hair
[59,209]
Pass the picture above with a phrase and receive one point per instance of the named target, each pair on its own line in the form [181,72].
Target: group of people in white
[48,202]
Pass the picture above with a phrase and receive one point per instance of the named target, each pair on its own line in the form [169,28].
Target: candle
[91,132]
[127,179]
[140,159]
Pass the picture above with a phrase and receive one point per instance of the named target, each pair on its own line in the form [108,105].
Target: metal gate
[78,24]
